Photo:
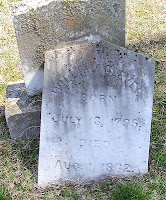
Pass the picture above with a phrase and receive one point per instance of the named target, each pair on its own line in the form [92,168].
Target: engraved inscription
[113,71]
[106,167]
[62,119]
[75,76]
[64,165]
[116,168]
[94,143]
[139,122]
[123,74]
[76,121]
[97,121]
[102,98]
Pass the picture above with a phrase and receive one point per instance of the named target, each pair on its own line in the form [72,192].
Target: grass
[129,191]
[146,34]
[10,67]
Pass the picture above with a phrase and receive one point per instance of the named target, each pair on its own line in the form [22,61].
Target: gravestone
[96,112]
[22,112]
[42,24]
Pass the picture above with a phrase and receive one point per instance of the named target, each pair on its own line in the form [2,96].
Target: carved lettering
[56,89]
[117,78]
[84,97]
[120,76]
[106,144]
[71,121]
[139,122]
[61,119]
[117,120]
[94,143]
[126,168]
[58,164]
[82,142]
[97,143]
[109,167]
[126,122]
[56,118]
[93,97]
[64,119]
[76,121]
[63,165]
[112,98]
[67,165]
[103,98]
[76,166]
[113,168]
[98,121]
[118,167]
[134,123]
[64,84]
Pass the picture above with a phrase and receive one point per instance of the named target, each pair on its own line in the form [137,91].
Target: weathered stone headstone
[96,112]
[22,112]
[42,24]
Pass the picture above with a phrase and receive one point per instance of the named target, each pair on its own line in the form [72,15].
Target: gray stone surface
[42,24]
[22,112]
[96,112]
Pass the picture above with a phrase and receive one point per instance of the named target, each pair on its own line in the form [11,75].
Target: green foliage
[3,197]
[159,186]
[157,157]
[129,191]
[69,193]
[18,187]
[5,136]
[2,194]
[160,157]
[5,164]
[2,93]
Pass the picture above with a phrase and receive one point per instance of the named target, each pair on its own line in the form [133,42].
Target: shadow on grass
[4,131]
[28,152]
[152,47]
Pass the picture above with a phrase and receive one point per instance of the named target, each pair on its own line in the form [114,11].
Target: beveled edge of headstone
[90,38]
[95,38]
[133,52]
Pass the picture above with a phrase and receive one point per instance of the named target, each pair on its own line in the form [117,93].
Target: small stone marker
[22,112]
[42,24]
[96,112]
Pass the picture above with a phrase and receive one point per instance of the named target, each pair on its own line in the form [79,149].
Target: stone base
[22,112]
